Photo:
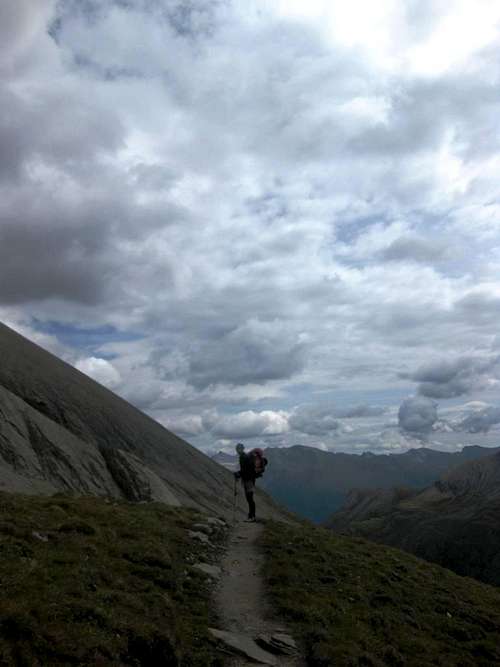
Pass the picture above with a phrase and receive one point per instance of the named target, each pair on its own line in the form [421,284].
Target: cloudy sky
[261,220]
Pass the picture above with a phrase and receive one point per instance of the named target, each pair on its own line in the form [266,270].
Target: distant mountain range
[314,483]
[61,431]
[455,522]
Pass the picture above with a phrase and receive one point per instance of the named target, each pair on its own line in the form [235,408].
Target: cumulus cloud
[449,379]
[100,370]
[480,421]
[166,169]
[247,424]
[321,420]
[417,414]
[314,420]
[253,352]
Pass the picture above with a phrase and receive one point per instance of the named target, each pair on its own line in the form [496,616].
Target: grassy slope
[111,586]
[353,602]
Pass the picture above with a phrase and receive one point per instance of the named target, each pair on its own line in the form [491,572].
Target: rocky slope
[61,431]
[455,522]
[314,483]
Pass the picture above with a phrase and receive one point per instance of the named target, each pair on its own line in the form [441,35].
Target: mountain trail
[243,610]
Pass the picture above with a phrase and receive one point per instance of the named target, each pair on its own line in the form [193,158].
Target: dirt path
[240,598]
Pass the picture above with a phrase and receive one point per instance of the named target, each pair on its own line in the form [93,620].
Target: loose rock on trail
[248,629]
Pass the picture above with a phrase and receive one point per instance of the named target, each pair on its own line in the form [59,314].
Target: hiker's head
[240,448]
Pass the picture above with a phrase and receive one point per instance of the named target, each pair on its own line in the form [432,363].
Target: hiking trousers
[249,486]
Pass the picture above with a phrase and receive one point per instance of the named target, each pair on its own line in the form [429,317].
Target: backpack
[259,461]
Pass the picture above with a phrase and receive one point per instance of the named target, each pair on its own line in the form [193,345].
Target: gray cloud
[415,249]
[76,250]
[417,414]
[321,420]
[61,128]
[360,411]
[166,169]
[253,352]
[38,261]
[449,379]
[20,23]
[420,116]
[314,420]
[480,421]
[479,307]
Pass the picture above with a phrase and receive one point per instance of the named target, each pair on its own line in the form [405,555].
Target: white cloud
[247,424]
[462,29]
[186,425]
[100,370]
[265,202]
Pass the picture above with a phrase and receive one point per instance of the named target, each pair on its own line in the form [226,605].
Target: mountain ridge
[454,522]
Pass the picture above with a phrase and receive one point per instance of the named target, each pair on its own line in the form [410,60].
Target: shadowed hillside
[455,522]
[61,431]
[88,581]
[354,603]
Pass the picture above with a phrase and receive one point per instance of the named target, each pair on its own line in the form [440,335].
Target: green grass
[352,602]
[112,585]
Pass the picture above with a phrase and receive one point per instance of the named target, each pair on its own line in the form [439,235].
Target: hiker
[252,466]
